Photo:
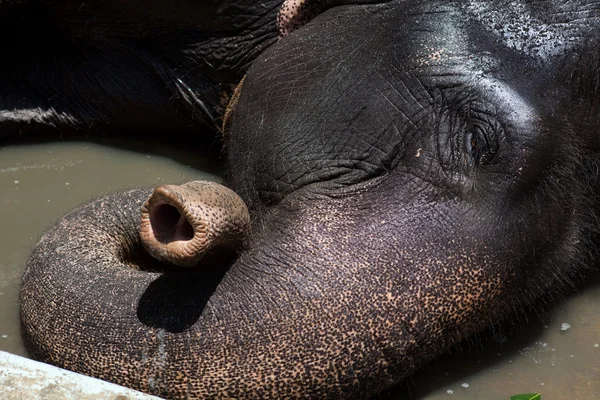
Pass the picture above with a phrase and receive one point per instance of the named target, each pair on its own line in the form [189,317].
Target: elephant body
[119,68]
[415,172]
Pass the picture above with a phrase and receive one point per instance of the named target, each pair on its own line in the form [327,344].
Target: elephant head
[414,172]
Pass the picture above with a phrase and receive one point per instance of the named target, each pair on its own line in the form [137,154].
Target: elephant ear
[297,13]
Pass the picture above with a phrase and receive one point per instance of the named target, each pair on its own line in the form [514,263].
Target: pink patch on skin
[292,15]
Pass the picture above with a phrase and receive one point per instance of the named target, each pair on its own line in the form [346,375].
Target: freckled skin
[292,15]
[414,172]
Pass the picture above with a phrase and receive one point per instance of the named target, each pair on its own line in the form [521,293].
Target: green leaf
[527,396]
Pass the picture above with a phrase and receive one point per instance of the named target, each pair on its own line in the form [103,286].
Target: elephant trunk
[181,223]
[306,310]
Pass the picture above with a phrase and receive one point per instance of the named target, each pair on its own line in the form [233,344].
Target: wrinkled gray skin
[415,171]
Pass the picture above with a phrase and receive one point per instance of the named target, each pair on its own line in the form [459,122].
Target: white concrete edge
[22,378]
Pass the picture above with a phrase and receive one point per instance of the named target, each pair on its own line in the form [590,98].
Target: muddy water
[556,354]
[42,182]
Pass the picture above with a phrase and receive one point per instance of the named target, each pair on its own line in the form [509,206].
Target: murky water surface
[557,355]
[40,183]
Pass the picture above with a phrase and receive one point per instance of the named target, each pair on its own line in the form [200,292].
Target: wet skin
[414,174]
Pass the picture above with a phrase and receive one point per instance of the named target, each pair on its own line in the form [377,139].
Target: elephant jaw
[182,223]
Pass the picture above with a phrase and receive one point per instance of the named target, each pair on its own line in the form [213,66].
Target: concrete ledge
[22,378]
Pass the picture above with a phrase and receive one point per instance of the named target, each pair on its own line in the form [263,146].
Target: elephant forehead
[538,29]
[429,32]
[351,46]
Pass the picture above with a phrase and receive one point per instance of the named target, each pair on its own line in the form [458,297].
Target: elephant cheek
[436,303]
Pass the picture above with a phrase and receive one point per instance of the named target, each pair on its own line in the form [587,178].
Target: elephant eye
[479,146]
[474,146]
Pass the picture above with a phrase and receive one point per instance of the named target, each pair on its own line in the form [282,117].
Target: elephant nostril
[185,231]
[181,224]
[164,217]
[169,224]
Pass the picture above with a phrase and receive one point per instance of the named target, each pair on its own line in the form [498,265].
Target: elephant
[409,173]
[85,69]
